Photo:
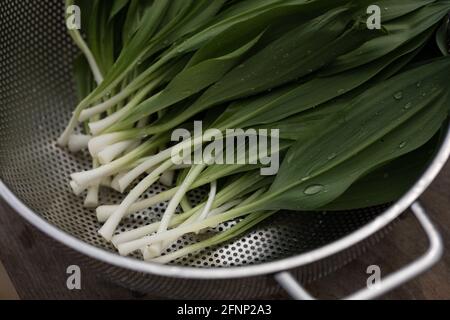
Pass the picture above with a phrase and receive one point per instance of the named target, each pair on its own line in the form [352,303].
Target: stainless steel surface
[36,99]
[413,269]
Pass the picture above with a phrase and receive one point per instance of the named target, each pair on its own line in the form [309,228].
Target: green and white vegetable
[357,109]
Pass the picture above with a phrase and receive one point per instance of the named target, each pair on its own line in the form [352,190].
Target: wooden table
[38,271]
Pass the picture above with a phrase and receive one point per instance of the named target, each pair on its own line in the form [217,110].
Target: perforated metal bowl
[36,99]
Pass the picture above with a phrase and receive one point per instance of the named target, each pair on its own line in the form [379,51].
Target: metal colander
[36,99]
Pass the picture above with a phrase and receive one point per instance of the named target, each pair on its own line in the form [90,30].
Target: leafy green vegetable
[386,184]
[355,112]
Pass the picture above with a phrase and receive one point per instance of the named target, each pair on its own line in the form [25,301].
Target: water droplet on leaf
[402,145]
[313,189]
[408,106]
[398,95]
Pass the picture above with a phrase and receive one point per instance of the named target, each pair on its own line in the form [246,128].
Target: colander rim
[265,268]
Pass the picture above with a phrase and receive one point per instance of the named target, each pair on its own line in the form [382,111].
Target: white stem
[111,152]
[106,182]
[155,250]
[111,224]
[145,230]
[63,140]
[88,178]
[149,229]
[185,204]
[87,114]
[78,142]
[167,178]
[152,161]
[88,54]
[133,146]
[91,200]
[243,226]
[115,181]
[104,212]
[212,195]
[142,123]
[224,208]
[172,256]
[135,234]
[97,144]
[129,247]
[147,251]
[212,221]
[175,201]
[76,188]
[101,125]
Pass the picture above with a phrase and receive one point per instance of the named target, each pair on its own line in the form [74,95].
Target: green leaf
[118,5]
[442,38]
[326,187]
[386,184]
[399,31]
[368,120]
[296,98]
[84,80]
[298,53]
[133,20]
[215,172]
[200,13]
[189,82]
[393,9]
[253,17]
[271,66]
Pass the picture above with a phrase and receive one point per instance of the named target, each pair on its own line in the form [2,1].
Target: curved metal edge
[288,282]
[394,280]
[236,272]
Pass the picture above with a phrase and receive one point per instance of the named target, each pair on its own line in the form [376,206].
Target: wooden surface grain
[38,270]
